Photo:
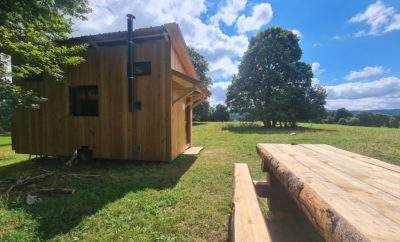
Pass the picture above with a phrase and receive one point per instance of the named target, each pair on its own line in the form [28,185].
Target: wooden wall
[176,63]
[178,129]
[115,133]
[178,134]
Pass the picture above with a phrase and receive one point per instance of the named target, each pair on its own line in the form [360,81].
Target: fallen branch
[26,181]
[74,159]
[48,191]
[76,175]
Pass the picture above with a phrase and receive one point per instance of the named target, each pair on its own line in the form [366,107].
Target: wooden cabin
[91,110]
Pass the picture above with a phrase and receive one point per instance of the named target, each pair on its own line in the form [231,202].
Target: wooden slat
[346,199]
[248,221]
[193,151]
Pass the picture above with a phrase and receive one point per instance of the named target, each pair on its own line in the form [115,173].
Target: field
[187,199]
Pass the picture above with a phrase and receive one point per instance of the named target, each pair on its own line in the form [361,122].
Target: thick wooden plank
[344,203]
[193,150]
[248,222]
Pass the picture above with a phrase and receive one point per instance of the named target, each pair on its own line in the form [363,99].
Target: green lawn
[188,199]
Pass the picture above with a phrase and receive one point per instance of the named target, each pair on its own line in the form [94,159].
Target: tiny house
[131,99]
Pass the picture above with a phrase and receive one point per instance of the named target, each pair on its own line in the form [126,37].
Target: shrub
[353,121]
[394,122]
[342,121]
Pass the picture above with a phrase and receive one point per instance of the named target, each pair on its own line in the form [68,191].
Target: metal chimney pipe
[131,61]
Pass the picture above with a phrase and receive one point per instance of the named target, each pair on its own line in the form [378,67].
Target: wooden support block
[193,151]
[247,222]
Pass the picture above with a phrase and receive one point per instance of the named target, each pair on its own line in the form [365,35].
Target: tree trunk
[267,123]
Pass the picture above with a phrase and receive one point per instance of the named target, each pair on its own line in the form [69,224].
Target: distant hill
[391,112]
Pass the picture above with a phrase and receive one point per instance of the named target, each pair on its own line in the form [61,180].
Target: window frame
[74,102]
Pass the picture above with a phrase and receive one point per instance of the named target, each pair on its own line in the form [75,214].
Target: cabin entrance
[188,121]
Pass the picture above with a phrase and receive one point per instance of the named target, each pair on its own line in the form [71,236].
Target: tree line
[345,117]
[204,112]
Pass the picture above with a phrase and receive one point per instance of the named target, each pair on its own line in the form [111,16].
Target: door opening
[188,122]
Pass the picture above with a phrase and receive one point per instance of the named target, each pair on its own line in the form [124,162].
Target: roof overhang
[193,86]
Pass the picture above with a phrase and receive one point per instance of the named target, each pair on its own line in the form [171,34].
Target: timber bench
[346,196]
[247,221]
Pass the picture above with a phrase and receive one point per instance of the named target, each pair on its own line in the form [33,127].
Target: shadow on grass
[58,214]
[262,130]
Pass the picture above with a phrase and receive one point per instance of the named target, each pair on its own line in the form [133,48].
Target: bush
[342,121]
[329,120]
[353,121]
[394,122]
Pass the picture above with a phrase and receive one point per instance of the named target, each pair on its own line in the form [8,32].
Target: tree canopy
[273,85]
[201,66]
[220,113]
[202,111]
[32,33]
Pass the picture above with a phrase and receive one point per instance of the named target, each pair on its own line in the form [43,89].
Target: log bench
[346,196]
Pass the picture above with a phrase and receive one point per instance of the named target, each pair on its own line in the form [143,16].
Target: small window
[84,101]
[142,68]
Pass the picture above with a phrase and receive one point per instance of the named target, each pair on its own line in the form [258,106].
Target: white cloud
[381,93]
[297,32]
[218,93]
[317,45]
[229,12]
[354,90]
[316,70]
[379,18]
[337,37]
[208,39]
[5,64]
[261,14]
[223,68]
[365,72]
[363,103]
[315,67]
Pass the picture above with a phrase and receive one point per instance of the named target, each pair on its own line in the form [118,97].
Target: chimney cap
[130,16]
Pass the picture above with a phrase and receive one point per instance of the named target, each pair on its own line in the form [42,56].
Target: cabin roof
[115,36]
[170,30]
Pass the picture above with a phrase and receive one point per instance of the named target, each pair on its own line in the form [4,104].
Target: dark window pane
[142,68]
[84,101]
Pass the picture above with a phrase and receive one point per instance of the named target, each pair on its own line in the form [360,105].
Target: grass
[188,199]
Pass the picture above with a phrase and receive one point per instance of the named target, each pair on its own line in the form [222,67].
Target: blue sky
[353,46]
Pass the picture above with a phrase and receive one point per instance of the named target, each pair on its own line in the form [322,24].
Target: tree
[220,113]
[201,66]
[342,121]
[394,122]
[273,85]
[202,111]
[366,119]
[342,113]
[353,121]
[32,33]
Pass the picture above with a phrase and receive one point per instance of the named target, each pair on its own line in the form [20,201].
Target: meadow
[188,199]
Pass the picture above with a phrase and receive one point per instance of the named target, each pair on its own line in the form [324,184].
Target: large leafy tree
[220,113]
[273,85]
[32,33]
[202,111]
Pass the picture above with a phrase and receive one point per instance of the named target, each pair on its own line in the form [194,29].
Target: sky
[352,46]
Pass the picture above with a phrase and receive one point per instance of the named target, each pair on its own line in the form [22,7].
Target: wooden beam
[248,223]
[185,94]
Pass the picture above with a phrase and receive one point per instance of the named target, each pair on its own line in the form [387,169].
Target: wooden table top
[347,196]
